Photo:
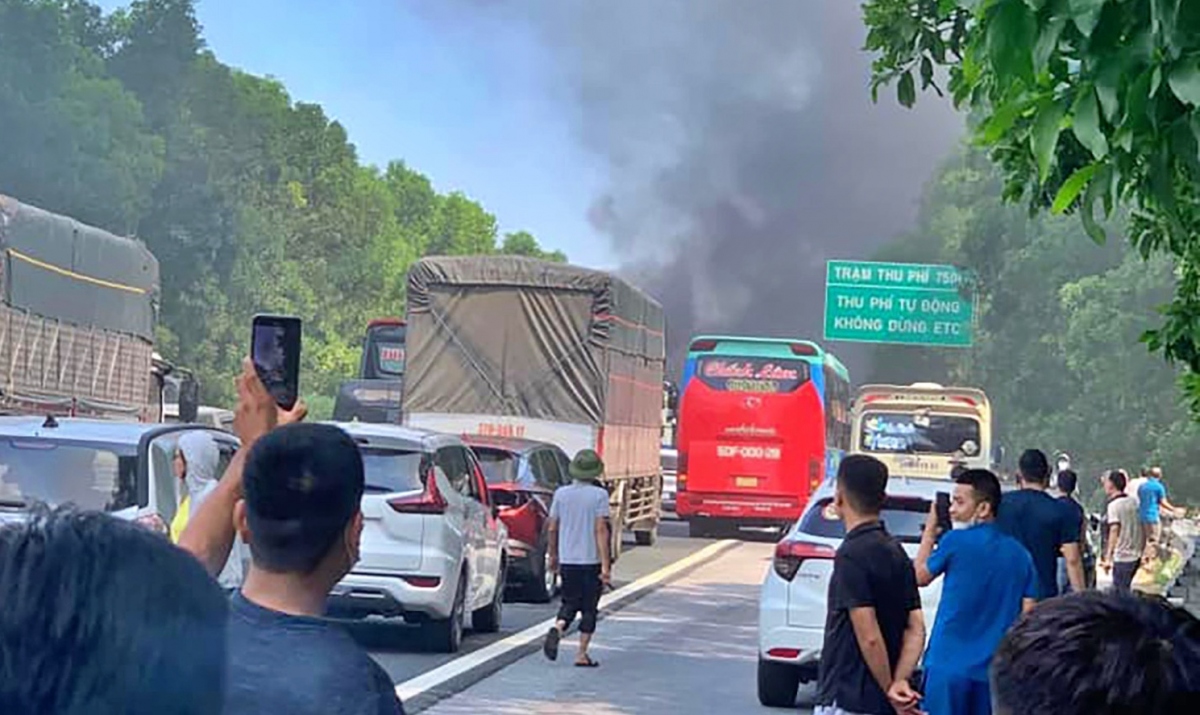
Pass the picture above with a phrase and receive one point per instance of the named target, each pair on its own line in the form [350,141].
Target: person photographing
[579,553]
[989,581]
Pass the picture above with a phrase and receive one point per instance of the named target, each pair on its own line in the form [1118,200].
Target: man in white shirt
[1133,485]
[579,553]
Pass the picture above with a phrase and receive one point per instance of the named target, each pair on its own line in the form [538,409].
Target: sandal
[550,645]
[587,662]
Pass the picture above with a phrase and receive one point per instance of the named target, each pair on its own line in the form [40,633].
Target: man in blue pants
[990,581]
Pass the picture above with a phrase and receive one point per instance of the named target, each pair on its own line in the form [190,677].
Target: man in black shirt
[874,630]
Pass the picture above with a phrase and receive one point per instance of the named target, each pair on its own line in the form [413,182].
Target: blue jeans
[952,694]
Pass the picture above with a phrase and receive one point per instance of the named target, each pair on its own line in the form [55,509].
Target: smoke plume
[741,146]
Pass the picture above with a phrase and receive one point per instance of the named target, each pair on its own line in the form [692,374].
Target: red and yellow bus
[762,421]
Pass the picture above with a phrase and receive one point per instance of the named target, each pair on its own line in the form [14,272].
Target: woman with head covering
[196,461]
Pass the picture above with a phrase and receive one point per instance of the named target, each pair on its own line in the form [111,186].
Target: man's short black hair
[1117,478]
[103,616]
[864,482]
[1068,480]
[1034,466]
[304,483]
[985,485]
[1097,653]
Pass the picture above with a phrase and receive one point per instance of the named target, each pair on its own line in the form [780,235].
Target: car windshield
[389,470]
[904,518]
[920,433]
[499,465]
[101,477]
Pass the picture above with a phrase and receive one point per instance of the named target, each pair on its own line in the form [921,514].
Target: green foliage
[1086,105]
[251,202]
[1057,344]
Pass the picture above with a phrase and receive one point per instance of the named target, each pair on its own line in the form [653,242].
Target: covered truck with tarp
[77,317]
[511,346]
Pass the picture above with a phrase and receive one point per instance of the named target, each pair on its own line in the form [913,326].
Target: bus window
[920,433]
[752,374]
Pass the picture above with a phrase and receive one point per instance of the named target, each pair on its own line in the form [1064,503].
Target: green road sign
[905,303]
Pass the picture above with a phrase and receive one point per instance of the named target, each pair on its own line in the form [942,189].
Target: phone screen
[943,510]
[275,350]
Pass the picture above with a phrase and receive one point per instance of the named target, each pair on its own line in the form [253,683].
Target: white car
[792,605]
[668,459]
[433,550]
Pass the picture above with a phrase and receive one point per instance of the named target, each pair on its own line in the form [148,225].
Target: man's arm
[870,643]
[913,645]
[601,531]
[1027,604]
[552,526]
[1114,533]
[928,537]
[1074,559]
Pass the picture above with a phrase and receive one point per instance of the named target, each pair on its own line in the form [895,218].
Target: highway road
[398,648]
[689,647]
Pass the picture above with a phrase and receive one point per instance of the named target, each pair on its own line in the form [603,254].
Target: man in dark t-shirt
[1043,525]
[294,494]
[873,600]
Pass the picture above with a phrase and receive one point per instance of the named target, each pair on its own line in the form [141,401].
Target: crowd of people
[1011,636]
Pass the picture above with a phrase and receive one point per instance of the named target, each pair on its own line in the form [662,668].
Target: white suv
[792,605]
[432,547]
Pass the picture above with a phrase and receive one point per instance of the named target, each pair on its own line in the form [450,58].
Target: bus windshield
[920,433]
[752,374]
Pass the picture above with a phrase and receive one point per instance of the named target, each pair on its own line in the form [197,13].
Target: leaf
[1108,82]
[906,90]
[1047,42]
[926,72]
[1072,187]
[1010,37]
[1001,121]
[1086,14]
[1086,123]
[1098,189]
[1185,81]
[1047,125]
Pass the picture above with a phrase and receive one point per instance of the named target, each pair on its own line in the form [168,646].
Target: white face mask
[959,525]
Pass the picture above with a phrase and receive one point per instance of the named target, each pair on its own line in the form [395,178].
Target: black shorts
[581,590]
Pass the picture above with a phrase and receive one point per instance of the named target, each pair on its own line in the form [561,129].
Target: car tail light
[814,474]
[789,555]
[785,653]
[803,349]
[429,501]
[703,346]
[681,472]
[423,581]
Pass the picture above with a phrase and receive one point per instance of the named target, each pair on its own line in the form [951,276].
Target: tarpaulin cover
[505,335]
[59,268]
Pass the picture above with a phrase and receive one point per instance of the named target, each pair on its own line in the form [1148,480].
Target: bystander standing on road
[1123,546]
[1100,654]
[1043,525]
[1132,486]
[1067,483]
[197,459]
[874,630]
[1152,502]
[579,552]
[294,495]
[989,582]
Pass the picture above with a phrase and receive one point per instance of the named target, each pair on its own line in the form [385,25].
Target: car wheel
[487,619]
[646,538]
[778,683]
[445,634]
[543,581]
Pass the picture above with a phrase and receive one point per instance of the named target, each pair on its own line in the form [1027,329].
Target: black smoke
[741,145]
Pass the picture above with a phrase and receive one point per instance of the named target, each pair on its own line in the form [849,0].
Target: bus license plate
[747,482]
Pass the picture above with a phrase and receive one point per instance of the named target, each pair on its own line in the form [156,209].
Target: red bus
[762,421]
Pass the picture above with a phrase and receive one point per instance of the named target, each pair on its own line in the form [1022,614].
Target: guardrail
[1181,584]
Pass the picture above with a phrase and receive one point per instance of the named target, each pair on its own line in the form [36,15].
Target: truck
[517,347]
[374,395]
[924,429]
[78,307]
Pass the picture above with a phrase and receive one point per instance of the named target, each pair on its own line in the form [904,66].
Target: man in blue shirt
[1043,525]
[1152,499]
[990,581]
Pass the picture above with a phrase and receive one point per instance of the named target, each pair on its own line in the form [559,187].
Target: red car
[521,478]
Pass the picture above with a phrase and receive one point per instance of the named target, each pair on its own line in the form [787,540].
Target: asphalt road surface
[690,647]
[398,648]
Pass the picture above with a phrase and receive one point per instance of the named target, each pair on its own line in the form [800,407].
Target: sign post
[902,303]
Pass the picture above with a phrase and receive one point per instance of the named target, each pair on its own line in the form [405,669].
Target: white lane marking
[415,687]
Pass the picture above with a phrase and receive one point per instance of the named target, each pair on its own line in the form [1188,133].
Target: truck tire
[778,683]
[646,538]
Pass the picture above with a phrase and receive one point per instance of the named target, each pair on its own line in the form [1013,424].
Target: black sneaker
[550,646]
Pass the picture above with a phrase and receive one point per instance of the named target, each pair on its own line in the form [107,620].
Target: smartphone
[943,511]
[275,351]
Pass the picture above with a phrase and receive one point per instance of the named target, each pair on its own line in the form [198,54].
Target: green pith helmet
[586,465]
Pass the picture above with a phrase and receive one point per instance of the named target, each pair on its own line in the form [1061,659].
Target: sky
[473,119]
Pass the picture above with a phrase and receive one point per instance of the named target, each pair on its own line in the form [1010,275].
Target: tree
[522,243]
[1085,105]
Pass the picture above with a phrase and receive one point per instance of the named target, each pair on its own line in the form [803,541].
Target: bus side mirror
[189,398]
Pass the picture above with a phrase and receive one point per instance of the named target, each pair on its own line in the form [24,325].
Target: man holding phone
[989,581]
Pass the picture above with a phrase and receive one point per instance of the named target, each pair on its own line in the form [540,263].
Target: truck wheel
[646,538]
[778,684]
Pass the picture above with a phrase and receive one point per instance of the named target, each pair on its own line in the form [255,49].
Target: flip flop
[589,663]
[550,646]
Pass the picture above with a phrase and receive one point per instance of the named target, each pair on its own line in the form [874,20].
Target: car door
[459,520]
[492,532]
